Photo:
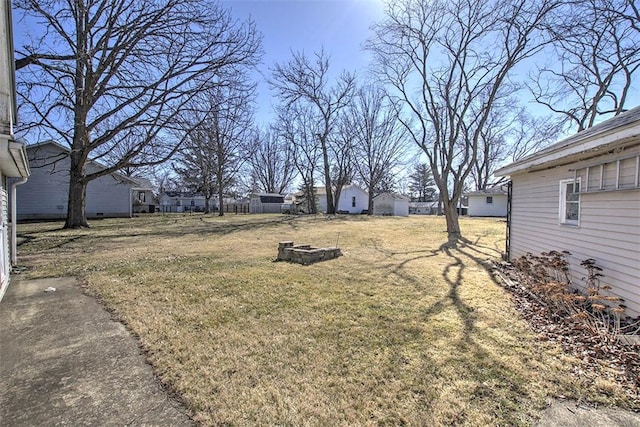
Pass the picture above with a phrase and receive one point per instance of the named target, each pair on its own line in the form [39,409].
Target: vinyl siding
[5,260]
[383,205]
[387,204]
[345,202]
[478,205]
[608,229]
[45,194]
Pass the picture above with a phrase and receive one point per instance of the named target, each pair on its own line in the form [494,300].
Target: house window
[353,202]
[142,196]
[570,202]
[489,200]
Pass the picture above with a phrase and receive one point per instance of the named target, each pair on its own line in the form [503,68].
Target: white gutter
[581,146]
[14,221]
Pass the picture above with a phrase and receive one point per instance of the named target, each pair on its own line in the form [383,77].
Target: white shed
[488,202]
[391,204]
[353,200]
[583,195]
[266,203]
[46,194]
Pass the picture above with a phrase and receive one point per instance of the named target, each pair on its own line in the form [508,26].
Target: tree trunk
[220,197]
[370,203]
[207,208]
[76,215]
[453,226]
[331,207]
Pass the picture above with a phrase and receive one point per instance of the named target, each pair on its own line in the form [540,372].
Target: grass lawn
[396,331]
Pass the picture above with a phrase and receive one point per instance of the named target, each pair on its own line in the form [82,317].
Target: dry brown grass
[397,331]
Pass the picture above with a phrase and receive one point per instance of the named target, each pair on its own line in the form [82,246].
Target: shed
[266,203]
[582,195]
[488,202]
[353,200]
[391,204]
[424,208]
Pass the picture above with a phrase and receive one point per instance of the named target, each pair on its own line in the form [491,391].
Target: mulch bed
[601,355]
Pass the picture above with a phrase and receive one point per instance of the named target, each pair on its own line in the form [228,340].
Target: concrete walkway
[63,361]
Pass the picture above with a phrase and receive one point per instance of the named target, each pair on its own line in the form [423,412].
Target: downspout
[14,221]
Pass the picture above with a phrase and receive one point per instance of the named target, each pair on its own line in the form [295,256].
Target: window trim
[562,210]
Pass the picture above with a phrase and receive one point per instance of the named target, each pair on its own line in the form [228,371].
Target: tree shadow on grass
[57,238]
[480,363]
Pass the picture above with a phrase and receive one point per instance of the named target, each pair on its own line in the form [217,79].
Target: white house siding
[608,231]
[45,194]
[346,200]
[383,205]
[478,205]
[345,203]
[388,204]
[108,197]
[5,261]
[401,207]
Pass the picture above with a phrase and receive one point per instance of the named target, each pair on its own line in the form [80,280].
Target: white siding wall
[478,205]
[5,260]
[609,228]
[401,207]
[383,205]
[345,202]
[346,199]
[386,204]
[45,194]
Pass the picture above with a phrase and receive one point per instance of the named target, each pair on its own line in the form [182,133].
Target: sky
[339,26]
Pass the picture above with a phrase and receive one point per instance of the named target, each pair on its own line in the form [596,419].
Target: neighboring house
[266,203]
[423,208]
[144,199]
[488,202]
[46,194]
[353,200]
[391,204]
[181,201]
[13,156]
[582,195]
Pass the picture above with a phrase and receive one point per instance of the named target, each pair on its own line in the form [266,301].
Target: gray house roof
[395,196]
[499,189]
[614,133]
[138,183]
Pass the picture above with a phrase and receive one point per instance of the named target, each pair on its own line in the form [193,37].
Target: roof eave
[15,163]
[588,147]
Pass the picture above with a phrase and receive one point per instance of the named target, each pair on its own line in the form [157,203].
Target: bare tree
[297,125]
[271,162]
[594,60]
[216,147]
[510,134]
[449,63]
[196,163]
[341,151]
[305,80]
[379,140]
[117,73]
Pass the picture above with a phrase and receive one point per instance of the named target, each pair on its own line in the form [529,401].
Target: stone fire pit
[305,254]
